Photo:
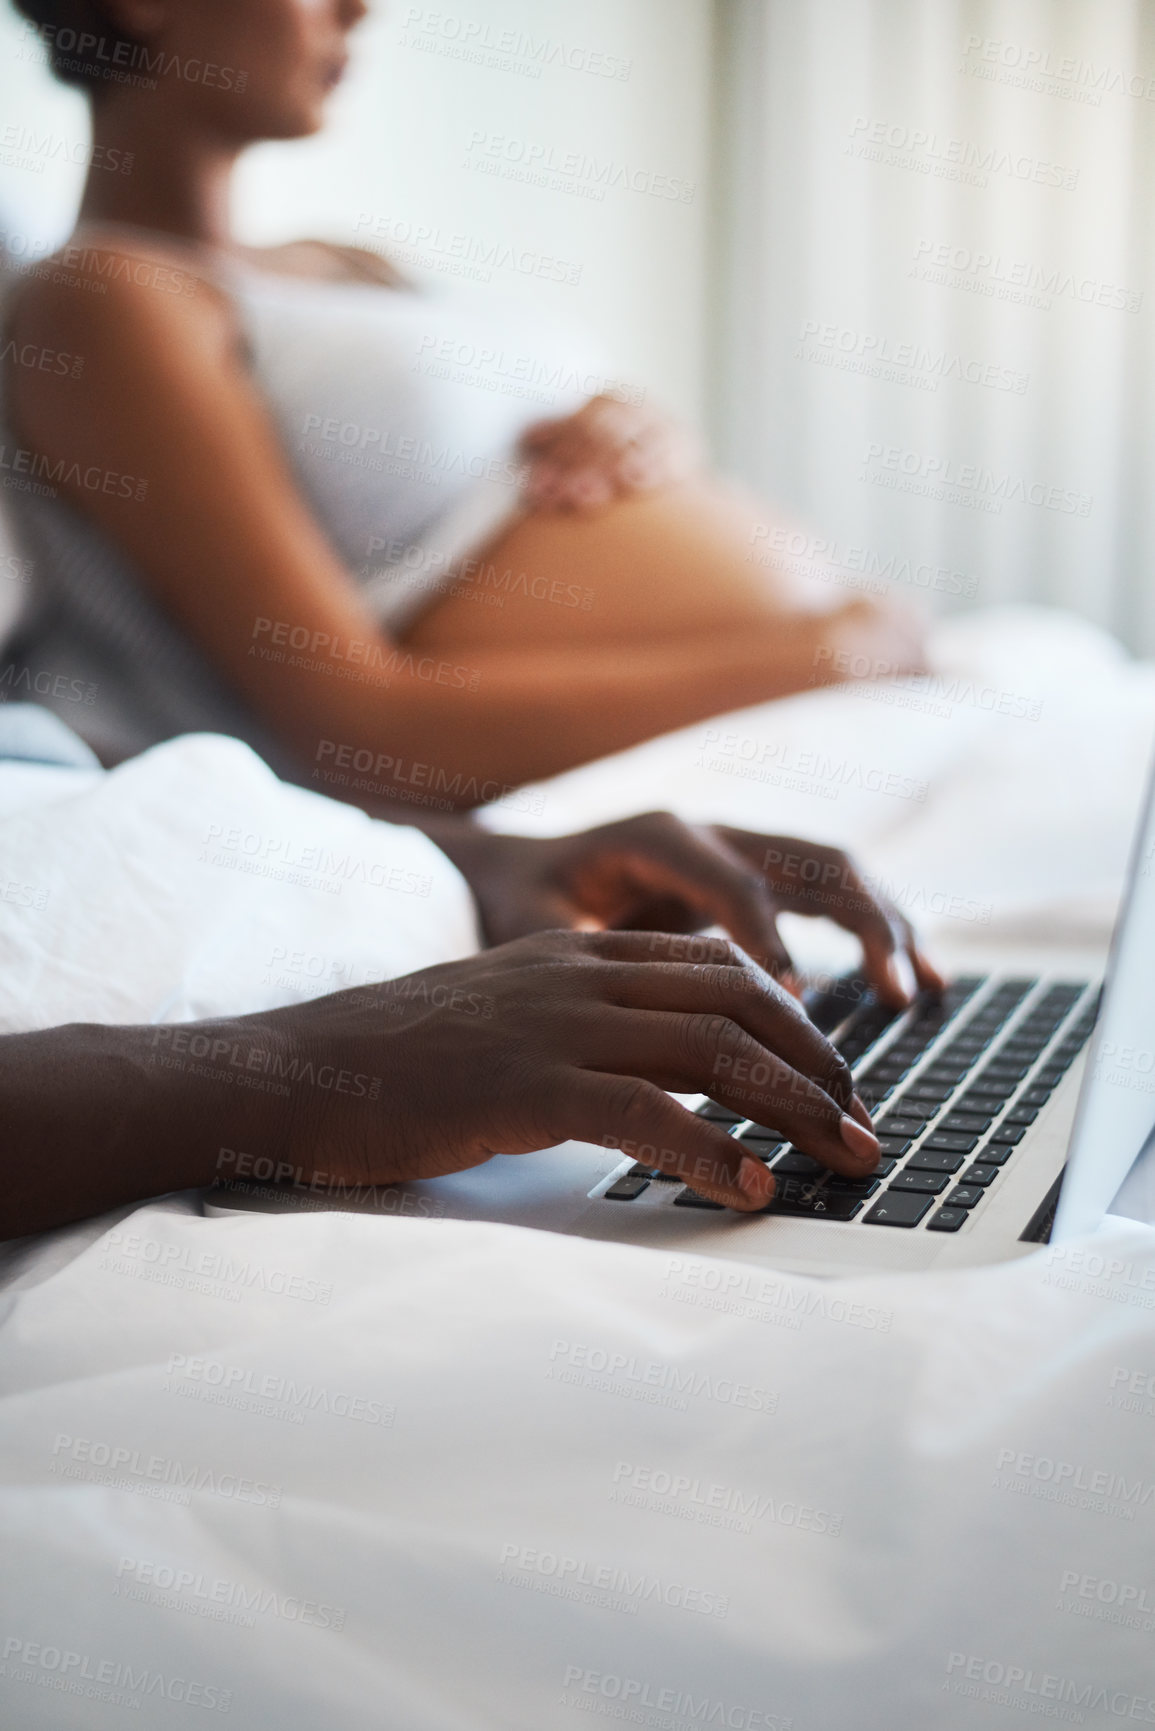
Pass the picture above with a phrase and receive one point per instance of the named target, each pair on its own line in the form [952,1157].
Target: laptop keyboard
[955,1085]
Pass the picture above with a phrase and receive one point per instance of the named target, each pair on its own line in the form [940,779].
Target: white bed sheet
[369,1474]
[392,1425]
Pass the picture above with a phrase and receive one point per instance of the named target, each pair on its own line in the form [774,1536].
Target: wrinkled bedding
[331,1471]
[428,1475]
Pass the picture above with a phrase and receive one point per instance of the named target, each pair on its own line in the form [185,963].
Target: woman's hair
[84,45]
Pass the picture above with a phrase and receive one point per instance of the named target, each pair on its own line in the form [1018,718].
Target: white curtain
[935,287]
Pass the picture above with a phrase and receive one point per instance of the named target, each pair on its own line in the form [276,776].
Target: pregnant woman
[281,493]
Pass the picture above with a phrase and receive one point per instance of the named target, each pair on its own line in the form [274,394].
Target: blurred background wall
[893,257]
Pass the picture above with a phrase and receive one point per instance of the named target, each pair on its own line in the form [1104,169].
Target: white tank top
[399,412]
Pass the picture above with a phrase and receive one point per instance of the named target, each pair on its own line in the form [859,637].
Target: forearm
[534,713]
[95,1116]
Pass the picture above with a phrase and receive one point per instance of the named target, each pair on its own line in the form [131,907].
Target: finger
[646,460]
[888,960]
[926,976]
[748,997]
[584,486]
[619,944]
[891,955]
[542,433]
[587,488]
[576,443]
[710,1054]
[628,1113]
[543,478]
[814,880]
[666,857]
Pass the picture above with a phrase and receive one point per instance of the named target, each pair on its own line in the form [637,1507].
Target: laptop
[1010,1112]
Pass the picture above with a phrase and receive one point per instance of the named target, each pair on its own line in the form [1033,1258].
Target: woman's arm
[229,546]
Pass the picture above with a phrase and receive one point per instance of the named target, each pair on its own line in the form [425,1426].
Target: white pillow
[191,882]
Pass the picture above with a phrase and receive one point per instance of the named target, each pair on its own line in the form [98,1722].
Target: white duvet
[391,1475]
[383,1475]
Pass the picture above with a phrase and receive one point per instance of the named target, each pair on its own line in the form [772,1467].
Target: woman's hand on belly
[605,451]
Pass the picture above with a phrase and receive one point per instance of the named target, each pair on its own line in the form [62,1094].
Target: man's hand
[604,451]
[563,1035]
[566,1034]
[656,873]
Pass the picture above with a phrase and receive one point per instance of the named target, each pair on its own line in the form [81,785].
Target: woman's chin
[300,120]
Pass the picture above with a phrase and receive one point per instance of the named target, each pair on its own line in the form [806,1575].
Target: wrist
[210,1091]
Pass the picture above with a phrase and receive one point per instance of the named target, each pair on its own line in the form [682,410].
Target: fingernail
[859,1141]
[900,978]
[861,1113]
[755,1181]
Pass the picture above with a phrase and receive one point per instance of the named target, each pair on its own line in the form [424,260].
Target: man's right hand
[569,1035]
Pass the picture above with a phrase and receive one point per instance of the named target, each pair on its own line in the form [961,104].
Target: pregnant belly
[648,567]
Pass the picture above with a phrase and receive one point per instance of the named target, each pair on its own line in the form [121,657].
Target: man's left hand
[656,873]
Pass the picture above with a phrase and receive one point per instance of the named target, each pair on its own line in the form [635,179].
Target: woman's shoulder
[109,285]
[103,310]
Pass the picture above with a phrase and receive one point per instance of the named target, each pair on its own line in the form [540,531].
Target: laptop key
[898,1210]
[996,1086]
[965,1196]
[760,1146]
[947,1220]
[884,1168]
[852,1186]
[638,1170]
[1022,1115]
[627,1189]
[980,1173]
[820,1204]
[901,1127]
[981,1097]
[965,1123]
[718,1114]
[928,1094]
[798,1165]
[690,1199]
[926,1183]
[881,1072]
[1010,1134]
[994,1154]
[894,1144]
[1034,1096]
[947,1142]
[926,1160]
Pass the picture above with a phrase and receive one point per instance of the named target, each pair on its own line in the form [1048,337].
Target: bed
[430,1475]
